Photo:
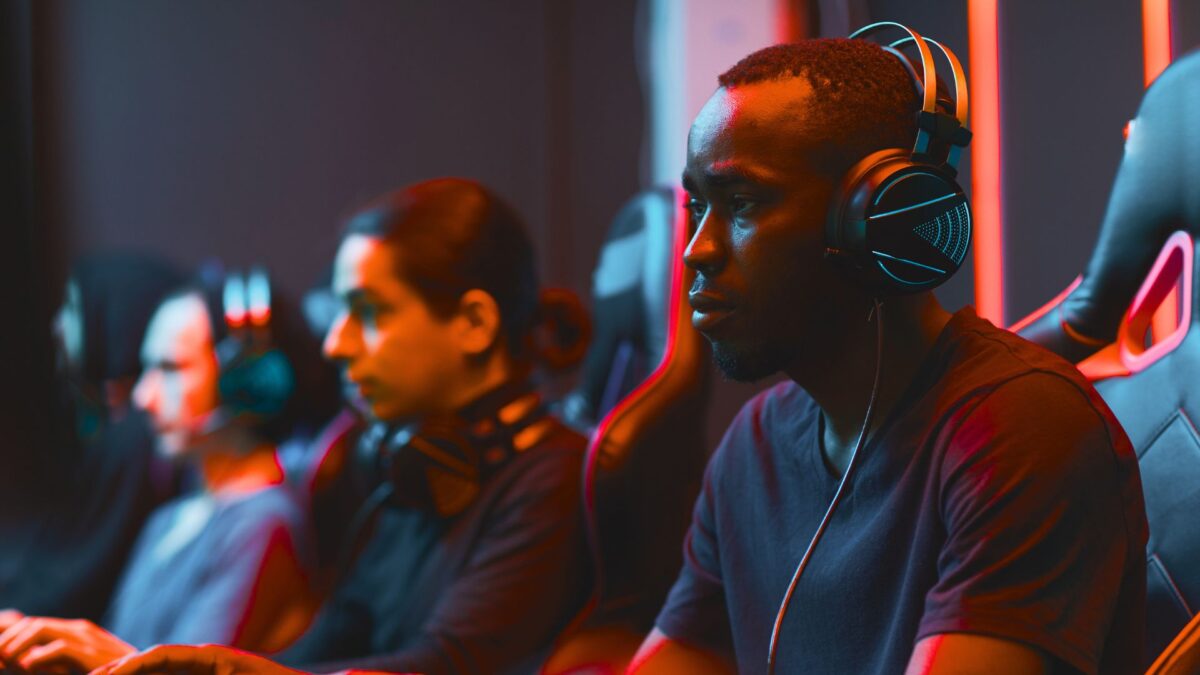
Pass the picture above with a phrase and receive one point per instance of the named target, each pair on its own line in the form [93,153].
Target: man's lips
[709,309]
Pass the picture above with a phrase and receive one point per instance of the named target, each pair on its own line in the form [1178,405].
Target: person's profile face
[758,208]
[178,386]
[399,356]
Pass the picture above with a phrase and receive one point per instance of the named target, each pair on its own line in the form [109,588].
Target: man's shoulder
[552,464]
[986,354]
[978,359]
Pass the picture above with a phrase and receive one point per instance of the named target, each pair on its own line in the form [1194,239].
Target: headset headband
[928,71]
[960,76]
[931,123]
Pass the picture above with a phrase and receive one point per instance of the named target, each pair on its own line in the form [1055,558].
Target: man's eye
[697,209]
[363,310]
[740,204]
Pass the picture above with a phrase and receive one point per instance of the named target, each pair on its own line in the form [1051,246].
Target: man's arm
[969,654]
[660,655]
[1043,544]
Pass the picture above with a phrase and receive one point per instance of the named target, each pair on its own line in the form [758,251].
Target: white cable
[837,495]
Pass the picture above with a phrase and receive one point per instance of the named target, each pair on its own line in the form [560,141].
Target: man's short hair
[865,98]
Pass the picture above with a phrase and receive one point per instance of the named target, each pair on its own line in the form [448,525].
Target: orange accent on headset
[260,316]
[234,319]
[986,173]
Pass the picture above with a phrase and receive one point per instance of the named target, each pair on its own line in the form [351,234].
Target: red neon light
[1156,56]
[986,192]
[1156,37]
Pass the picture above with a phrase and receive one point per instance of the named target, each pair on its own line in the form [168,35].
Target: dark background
[245,130]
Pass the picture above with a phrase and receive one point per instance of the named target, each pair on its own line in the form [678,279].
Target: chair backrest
[1156,398]
[647,452]
[1154,194]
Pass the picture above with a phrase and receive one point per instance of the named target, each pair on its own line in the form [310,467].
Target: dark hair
[866,100]
[316,396]
[452,235]
[118,293]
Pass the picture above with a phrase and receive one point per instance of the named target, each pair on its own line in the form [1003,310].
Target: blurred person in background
[476,558]
[227,562]
[65,544]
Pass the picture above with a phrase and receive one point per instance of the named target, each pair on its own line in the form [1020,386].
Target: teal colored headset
[256,379]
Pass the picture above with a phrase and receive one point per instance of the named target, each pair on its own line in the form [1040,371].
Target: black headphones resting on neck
[899,222]
[441,462]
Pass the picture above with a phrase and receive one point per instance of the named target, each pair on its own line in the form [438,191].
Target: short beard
[749,363]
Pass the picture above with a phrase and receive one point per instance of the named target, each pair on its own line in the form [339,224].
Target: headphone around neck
[440,463]
[899,223]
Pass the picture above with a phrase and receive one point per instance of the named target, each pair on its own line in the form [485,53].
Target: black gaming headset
[256,379]
[441,462]
[899,223]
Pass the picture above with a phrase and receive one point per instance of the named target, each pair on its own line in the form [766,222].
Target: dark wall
[1071,77]
[245,130]
[27,272]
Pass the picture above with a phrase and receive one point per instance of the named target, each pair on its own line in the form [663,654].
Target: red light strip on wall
[1156,56]
[986,176]
[1156,37]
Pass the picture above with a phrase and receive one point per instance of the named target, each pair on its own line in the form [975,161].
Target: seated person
[478,558]
[223,564]
[90,487]
[992,521]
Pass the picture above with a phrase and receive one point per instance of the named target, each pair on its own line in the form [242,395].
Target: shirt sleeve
[525,580]
[1038,540]
[229,595]
[695,612]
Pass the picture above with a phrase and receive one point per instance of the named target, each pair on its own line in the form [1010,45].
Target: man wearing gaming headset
[928,492]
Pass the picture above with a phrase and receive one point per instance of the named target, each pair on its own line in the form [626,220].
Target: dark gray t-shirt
[191,578]
[484,591]
[1000,497]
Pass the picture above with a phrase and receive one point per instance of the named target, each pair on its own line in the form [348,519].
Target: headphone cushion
[259,383]
[898,225]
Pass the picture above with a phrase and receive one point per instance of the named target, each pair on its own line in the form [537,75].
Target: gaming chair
[1148,370]
[1154,194]
[1156,398]
[644,387]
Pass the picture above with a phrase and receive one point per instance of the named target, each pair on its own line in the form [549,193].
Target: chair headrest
[630,304]
[1155,193]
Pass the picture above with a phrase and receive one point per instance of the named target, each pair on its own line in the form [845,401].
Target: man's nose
[337,345]
[144,392]
[705,253]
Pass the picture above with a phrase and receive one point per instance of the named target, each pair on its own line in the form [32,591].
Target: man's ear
[477,325]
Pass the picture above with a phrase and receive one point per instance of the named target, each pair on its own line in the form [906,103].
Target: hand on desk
[199,660]
[8,617]
[40,644]
[193,660]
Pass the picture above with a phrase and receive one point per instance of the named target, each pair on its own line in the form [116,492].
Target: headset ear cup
[845,234]
[258,384]
[897,225]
